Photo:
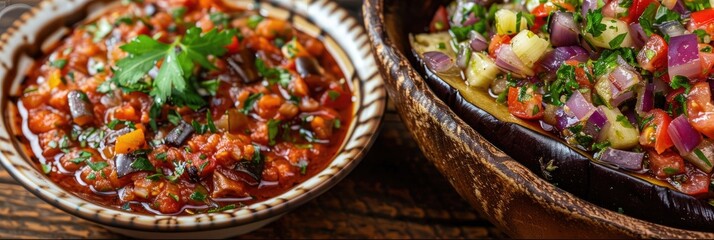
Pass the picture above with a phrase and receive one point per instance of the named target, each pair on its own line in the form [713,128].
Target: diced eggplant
[307,66]
[179,134]
[251,172]
[123,162]
[193,175]
[80,107]
[243,64]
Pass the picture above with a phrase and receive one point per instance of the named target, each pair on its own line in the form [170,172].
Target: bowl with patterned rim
[34,33]
[484,156]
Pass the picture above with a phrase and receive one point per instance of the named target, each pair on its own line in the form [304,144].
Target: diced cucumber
[702,156]
[529,47]
[618,130]
[506,22]
[481,71]
[613,29]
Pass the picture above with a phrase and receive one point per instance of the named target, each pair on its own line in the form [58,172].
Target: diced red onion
[464,55]
[703,162]
[580,107]
[478,42]
[645,99]
[553,59]
[671,28]
[588,5]
[508,61]
[470,20]
[679,8]
[621,97]
[631,116]
[596,121]
[624,159]
[563,29]
[669,3]
[438,61]
[683,56]
[638,35]
[683,135]
[613,9]
[660,85]
[564,119]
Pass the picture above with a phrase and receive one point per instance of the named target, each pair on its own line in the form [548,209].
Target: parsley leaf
[248,105]
[594,24]
[177,66]
[681,82]
[617,41]
[197,196]
[142,163]
[272,131]
[647,19]
[273,75]
[564,85]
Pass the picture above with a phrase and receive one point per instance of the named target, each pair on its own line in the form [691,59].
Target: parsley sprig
[178,60]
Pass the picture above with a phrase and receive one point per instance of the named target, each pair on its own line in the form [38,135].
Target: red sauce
[100,140]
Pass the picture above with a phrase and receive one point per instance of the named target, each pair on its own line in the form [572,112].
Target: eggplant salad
[627,81]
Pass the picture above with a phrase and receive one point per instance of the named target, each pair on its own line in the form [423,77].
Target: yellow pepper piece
[130,142]
[55,79]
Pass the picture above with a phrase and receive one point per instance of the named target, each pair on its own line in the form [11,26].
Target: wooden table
[394,193]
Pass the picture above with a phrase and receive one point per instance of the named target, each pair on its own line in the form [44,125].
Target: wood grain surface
[394,193]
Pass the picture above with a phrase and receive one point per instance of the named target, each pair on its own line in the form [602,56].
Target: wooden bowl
[513,197]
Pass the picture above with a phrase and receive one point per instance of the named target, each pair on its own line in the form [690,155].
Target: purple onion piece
[580,107]
[631,116]
[639,37]
[623,78]
[507,60]
[564,120]
[645,99]
[588,5]
[598,118]
[553,59]
[563,29]
[478,42]
[438,61]
[683,135]
[679,8]
[623,159]
[683,56]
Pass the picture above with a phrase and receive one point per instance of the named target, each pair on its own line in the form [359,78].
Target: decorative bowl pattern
[35,31]
[513,197]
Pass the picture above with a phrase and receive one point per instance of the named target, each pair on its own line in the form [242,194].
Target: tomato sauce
[242,121]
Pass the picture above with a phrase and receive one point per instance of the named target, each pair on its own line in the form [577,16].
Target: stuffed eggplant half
[610,100]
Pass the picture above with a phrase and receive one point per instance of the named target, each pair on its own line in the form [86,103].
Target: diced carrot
[130,142]
[294,49]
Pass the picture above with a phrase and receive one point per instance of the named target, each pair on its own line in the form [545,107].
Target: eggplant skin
[604,186]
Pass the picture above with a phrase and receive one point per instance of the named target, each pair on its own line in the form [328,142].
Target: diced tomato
[580,73]
[700,109]
[336,98]
[654,133]
[703,20]
[707,61]
[653,55]
[666,164]
[544,9]
[496,42]
[234,46]
[528,106]
[696,183]
[638,7]
[440,22]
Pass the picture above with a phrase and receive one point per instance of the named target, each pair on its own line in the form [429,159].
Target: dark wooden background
[394,193]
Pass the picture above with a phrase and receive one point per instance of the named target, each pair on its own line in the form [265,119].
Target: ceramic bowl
[514,195]
[343,36]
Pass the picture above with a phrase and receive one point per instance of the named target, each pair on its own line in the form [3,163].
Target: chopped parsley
[273,125]
[254,20]
[703,157]
[617,41]
[681,82]
[670,171]
[221,209]
[209,122]
[113,124]
[273,75]
[624,121]
[142,163]
[46,168]
[564,85]
[250,102]
[59,63]
[197,196]
[333,95]
[594,24]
